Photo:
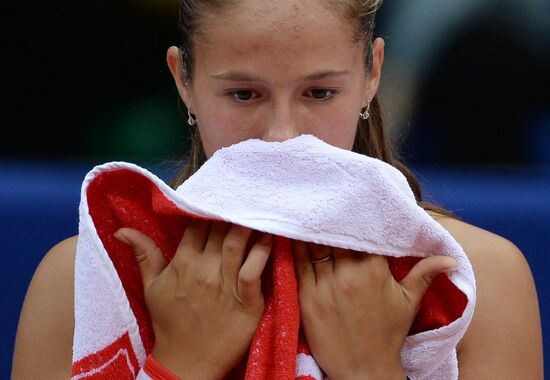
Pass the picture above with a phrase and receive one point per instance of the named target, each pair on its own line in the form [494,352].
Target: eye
[243,96]
[321,94]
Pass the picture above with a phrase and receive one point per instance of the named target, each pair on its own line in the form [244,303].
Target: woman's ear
[173,59]
[373,80]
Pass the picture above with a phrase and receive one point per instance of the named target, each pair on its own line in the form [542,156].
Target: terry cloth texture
[303,189]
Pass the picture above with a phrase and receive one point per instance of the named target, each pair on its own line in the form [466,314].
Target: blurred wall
[466,81]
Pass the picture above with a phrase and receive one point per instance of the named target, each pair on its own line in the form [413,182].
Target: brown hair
[370,138]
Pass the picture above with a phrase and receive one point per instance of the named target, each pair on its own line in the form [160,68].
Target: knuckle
[182,297]
[350,283]
[200,281]
[179,272]
[140,254]
[174,270]
[181,262]
[231,245]
[427,278]
[314,307]
[247,280]
[205,280]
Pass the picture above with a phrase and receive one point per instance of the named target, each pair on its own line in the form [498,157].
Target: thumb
[423,274]
[149,257]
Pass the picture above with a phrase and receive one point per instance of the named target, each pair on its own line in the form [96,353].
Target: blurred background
[464,91]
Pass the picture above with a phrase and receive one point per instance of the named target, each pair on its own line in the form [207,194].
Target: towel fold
[303,189]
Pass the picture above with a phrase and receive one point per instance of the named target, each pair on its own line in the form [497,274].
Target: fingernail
[119,235]
[452,267]
[266,238]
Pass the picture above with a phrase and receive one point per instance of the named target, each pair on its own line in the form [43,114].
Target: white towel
[303,189]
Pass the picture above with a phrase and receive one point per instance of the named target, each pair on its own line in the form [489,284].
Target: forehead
[274,33]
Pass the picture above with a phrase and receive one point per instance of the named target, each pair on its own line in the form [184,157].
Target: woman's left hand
[354,314]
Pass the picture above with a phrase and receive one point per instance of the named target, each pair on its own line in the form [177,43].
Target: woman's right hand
[205,305]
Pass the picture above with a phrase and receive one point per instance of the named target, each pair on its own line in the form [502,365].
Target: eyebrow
[243,77]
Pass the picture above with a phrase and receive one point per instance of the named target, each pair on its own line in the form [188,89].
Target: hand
[205,305]
[354,314]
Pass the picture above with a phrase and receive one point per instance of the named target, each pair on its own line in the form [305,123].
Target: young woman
[275,70]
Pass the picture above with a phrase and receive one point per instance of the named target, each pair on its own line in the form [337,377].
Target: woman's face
[274,70]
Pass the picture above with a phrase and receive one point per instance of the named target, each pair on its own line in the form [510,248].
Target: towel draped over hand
[303,189]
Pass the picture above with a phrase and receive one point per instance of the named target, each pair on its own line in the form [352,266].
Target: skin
[207,293]
[282,104]
[215,298]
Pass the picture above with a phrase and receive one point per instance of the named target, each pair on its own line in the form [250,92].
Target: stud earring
[191,121]
[365,115]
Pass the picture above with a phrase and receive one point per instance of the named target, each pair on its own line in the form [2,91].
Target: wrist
[156,371]
[176,369]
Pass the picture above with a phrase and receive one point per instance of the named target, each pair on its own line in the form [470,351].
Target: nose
[282,122]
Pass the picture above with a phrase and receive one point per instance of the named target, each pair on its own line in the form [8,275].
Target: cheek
[221,126]
[337,126]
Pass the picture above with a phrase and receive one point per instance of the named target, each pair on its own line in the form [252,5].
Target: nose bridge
[282,123]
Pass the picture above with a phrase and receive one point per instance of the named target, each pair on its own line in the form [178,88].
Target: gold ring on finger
[326,258]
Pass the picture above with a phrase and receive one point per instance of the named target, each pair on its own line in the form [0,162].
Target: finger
[233,252]
[345,258]
[149,257]
[305,274]
[423,274]
[323,269]
[216,237]
[249,283]
[194,238]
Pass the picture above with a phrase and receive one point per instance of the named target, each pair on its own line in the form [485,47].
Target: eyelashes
[322,94]
[245,96]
